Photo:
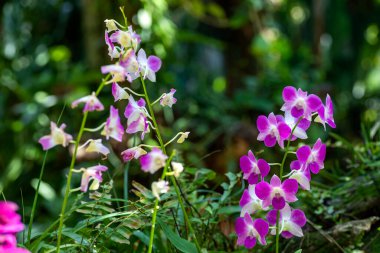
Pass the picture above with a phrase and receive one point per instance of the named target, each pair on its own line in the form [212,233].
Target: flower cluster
[10,225]
[131,63]
[274,196]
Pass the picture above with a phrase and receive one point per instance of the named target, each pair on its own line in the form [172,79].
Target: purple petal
[275,181]
[262,227]
[270,141]
[262,123]
[289,94]
[240,227]
[314,167]
[297,112]
[295,165]
[284,130]
[298,217]
[286,234]
[278,203]
[303,154]
[253,178]
[245,198]
[272,217]
[154,63]
[263,190]
[250,242]
[263,167]
[47,142]
[290,187]
[313,102]
[245,164]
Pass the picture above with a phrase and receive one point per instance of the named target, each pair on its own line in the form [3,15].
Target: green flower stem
[155,209]
[72,164]
[281,172]
[38,185]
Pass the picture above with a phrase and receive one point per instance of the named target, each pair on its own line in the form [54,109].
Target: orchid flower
[168,99]
[252,168]
[92,103]
[10,221]
[249,231]
[153,161]
[272,129]
[113,127]
[249,202]
[57,137]
[132,153]
[300,129]
[111,25]
[92,173]
[97,147]
[136,114]
[312,159]
[118,72]
[302,176]
[127,39]
[277,193]
[290,222]
[149,66]
[298,103]
[130,64]
[326,114]
[177,168]
[118,93]
[112,50]
[159,188]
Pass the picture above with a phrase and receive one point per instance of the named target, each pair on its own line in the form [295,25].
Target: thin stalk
[281,171]
[38,185]
[155,209]
[72,164]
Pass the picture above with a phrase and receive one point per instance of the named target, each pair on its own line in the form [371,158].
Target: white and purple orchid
[113,128]
[277,193]
[290,222]
[249,231]
[132,153]
[168,99]
[148,66]
[93,173]
[252,168]
[56,137]
[153,161]
[118,93]
[136,114]
[272,129]
[92,103]
[326,114]
[249,202]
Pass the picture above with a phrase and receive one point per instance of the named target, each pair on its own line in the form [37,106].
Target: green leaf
[298,251]
[178,242]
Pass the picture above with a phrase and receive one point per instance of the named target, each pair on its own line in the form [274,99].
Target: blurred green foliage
[229,61]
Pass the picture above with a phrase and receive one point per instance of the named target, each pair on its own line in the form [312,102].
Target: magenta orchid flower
[312,159]
[272,129]
[249,202]
[136,114]
[10,220]
[113,127]
[148,66]
[302,176]
[92,103]
[252,168]
[56,137]
[118,93]
[290,222]
[112,50]
[277,193]
[132,153]
[92,173]
[299,104]
[153,161]
[130,64]
[326,114]
[168,99]
[249,231]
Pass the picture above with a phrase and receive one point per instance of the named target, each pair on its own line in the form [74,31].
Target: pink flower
[277,193]
[299,104]
[290,222]
[168,99]
[252,168]
[136,114]
[118,93]
[92,103]
[57,137]
[130,64]
[132,153]
[148,66]
[312,159]
[153,161]
[300,130]
[326,114]
[92,173]
[112,50]
[10,221]
[113,127]
[302,176]
[126,39]
[119,73]
[249,231]
[249,202]
[272,129]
